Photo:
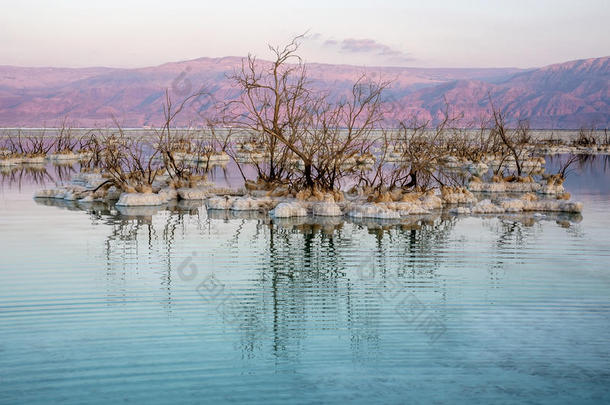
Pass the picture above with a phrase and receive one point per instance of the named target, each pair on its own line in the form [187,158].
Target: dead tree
[507,136]
[294,122]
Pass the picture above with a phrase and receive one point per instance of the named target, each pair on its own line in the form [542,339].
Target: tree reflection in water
[305,281]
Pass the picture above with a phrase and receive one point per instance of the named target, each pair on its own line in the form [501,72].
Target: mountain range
[566,95]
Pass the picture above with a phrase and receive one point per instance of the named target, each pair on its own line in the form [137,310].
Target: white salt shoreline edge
[284,207]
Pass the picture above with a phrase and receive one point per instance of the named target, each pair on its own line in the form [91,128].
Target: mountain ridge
[565,95]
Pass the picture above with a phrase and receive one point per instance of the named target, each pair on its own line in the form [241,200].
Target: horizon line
[305,62]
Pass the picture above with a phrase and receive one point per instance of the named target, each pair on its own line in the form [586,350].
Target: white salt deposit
[552,189]
[431,202]
[407,208]
[12,161]
[88,180]
[33,159]
[327,209]
[168,194]
[219,203]
[512,205]
[414,209]
[460,210]
[63,156]
[373,211]
[139,199]
[553,206]
[288,209]
[192,193]
[457,196]
[487,207]
[239,203]
[50,193]
[503,187]
[247,204]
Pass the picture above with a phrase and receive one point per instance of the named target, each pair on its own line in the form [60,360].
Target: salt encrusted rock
[517,187]
[327,208]
[75,193]
[407,208]
[263,203]
[192,193]
[553,206]
[287,210]
[503,187]
[479,186]
[251,204]
[526,204]
[244,204]
[63,156]
[414,210]
[239,203]
[460,210]
[33,159]
[457,195]
[87,177]
[168,194]
[513,205]
[88,180]
[11,161]
[430,201]
[551,189]
[226,191]
[50,193]
[139,199]
[487,207]
[373,211]
[219,203]
[569,206]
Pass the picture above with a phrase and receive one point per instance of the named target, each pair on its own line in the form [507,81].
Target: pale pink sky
[444,33]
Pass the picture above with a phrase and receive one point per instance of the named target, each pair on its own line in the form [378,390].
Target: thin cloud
[371,47]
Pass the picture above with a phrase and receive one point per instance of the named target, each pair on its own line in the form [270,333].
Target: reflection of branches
[515,232]
[303,257]
[18,175]
[123,248]
[584,162]
[513,235]
[63,171]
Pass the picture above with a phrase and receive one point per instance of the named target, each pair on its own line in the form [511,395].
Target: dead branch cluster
[300,138]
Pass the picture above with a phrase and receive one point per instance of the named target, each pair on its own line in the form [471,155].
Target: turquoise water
[188,306]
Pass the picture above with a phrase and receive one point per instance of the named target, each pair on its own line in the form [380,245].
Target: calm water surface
[187,306]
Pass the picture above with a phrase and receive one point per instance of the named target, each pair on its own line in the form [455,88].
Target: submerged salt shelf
[500,210]
[548,195]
